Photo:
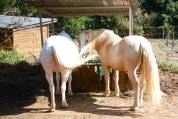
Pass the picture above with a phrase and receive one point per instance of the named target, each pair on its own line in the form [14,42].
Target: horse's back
[131,48]
[135,41]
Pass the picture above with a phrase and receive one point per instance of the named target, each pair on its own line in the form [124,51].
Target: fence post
[163,31]
[172,40]
[168,38]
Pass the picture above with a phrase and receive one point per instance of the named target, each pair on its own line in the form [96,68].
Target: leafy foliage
[16,7]
[161,12]
[96,22]
[74,25]
[10,57]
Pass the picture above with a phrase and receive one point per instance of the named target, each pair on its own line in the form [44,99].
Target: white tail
[151,75]
[71,65]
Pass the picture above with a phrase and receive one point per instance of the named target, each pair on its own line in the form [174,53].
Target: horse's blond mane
[100,37]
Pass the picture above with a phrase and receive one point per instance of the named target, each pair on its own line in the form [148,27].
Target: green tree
[74,25]
[161,12]
[16,7]
[96,22]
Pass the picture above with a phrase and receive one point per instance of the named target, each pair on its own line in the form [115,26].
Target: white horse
[126,54]
[58,91]
[60,54]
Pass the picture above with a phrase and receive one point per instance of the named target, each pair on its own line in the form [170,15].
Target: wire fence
[164,42]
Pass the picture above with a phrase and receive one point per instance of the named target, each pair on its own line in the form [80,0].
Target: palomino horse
[82,43]
[60,54]
[126,54]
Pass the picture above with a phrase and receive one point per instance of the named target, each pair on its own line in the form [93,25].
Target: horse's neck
[99,42]
[106,39]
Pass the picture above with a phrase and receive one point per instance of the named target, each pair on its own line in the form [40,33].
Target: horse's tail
[72,65]
[149,72]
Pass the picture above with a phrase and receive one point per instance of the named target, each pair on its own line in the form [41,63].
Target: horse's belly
[118,66]
[114,64]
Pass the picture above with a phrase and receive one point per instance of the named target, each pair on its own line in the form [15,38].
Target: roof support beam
[84,8]
[52,20]
[41,30]
[130,21]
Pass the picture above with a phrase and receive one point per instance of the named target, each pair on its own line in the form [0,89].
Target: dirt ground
[26,98]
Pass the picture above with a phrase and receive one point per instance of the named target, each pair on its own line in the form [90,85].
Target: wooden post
[130,21]
[168,34]
[41,31]
[163,31]
[172,40]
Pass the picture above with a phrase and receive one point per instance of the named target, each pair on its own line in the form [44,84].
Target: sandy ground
[26,100]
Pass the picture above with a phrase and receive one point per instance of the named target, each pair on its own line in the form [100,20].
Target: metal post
[41,31]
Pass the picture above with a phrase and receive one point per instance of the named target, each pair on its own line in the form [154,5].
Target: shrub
[167,66]
[10,57]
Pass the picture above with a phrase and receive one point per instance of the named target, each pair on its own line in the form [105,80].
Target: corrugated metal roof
[84,7]
[20,22]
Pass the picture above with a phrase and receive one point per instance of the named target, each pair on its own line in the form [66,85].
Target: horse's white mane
[64,34]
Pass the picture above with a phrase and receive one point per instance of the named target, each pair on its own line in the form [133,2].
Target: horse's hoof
[65,105]
[134,108]
[52,110]
[106,94]
[117,94]
[70,94]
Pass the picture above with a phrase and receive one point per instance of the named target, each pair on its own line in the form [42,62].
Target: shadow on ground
[19,86]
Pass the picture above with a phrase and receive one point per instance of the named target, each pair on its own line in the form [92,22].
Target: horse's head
[83,38]
[85,42]
[88,36]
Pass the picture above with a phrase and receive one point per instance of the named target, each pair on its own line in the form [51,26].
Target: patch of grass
[10,57]
[168,66]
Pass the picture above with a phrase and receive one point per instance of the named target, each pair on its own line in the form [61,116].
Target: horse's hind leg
[58,91]
[116,81]
[70,93]
[135,83]
[65,77]
[107,81]
[49,77]
[142,86]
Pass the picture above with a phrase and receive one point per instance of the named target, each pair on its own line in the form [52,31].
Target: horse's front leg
[65,77]
[49,77]
[116,82]
[135,83]
[107,81]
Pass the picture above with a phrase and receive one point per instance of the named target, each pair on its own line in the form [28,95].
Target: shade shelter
[87,8]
